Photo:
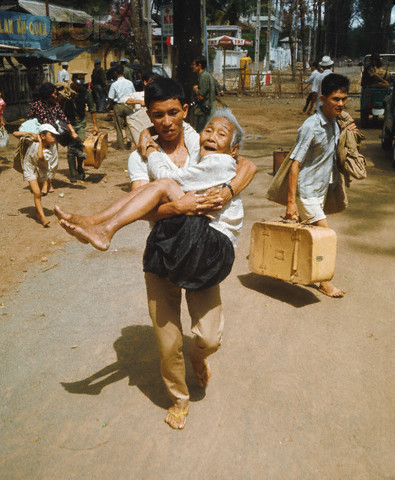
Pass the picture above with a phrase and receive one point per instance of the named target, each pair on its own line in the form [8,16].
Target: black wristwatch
[230,188]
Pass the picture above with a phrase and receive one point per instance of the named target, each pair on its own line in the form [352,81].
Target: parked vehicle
[388,131]
[161,70]
[372,99]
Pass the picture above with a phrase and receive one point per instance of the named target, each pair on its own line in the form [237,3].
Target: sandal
[172,415]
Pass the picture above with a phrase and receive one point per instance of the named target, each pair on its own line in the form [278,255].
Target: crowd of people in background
[62,109]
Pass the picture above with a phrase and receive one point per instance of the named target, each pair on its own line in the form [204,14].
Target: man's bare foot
[176,417]
[327,288]
[202,371]
[51,190]
[93,234]
[71,217]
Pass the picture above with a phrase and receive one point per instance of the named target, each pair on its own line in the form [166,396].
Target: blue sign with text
[23,30]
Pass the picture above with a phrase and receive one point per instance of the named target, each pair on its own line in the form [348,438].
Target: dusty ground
[302,387]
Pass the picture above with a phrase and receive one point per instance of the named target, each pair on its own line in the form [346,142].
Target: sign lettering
[167,20]
[23,30]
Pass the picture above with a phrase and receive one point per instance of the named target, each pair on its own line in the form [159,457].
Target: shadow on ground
[30,212]
[294,295]
[90,177]
[138,360]
[125,187]
[4,163]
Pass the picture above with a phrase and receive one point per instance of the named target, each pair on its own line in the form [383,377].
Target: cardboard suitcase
[96,148]
[279,156]
[293,252]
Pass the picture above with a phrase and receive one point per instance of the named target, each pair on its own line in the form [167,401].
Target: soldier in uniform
[128,73]
[75,109]
[99,83]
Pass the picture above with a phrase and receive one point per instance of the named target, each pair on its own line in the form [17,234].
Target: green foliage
[224,12]
[93,7]
[376,19]
[250,35]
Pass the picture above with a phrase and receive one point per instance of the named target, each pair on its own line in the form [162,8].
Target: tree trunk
[320,47]
[293,39]
[313,56]
[302,14]
[187,41]
[385,42]
[376,18]
[140,39]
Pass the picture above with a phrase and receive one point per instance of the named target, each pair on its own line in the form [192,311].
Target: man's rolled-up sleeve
[137,168]
[303,142]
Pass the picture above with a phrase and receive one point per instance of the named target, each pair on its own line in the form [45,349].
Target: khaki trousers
[137,123]
[120,113]
[207,323]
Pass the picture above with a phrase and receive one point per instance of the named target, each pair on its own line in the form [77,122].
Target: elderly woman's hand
[213,199]
[146,141]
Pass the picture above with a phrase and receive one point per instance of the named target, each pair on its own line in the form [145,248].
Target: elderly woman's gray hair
[238,134]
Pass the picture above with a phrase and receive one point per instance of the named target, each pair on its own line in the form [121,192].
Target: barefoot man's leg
[164,305]
[205,309]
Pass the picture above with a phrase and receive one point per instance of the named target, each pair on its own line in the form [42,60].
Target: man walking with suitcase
[313,171]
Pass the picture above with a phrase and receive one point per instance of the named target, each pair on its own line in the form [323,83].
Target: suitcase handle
[295,255]
[304,222]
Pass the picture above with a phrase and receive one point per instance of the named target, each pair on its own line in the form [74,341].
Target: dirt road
[302,387]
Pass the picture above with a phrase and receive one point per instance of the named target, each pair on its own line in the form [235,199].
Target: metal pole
[162,48]
[269,33]
[224,74]
[257,32]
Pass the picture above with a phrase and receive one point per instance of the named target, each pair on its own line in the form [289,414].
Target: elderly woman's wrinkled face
[217,137]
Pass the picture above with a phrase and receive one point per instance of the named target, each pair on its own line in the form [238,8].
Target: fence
[278,84]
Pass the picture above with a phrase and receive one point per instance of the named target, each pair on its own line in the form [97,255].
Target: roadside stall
[225,42]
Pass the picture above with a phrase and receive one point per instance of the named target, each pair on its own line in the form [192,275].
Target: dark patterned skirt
[187,250]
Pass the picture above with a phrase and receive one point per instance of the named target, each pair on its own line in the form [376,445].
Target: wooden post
[301,84]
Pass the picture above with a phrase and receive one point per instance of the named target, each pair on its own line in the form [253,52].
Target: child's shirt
[33,169]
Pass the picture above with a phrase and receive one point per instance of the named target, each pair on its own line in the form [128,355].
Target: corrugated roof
[60,14]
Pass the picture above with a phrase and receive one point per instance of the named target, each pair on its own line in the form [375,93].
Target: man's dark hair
[46,90]
[163,89]
[314,64]
[146,76]
[333,82]
[119,70]
[202,61]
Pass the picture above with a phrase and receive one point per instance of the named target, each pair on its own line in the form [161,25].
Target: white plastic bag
[4,138]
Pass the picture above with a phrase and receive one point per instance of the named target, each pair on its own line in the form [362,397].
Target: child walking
[39,164]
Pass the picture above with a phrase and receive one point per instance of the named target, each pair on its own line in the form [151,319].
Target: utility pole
[203,19]
[257,32]
[147,20]
[269,33]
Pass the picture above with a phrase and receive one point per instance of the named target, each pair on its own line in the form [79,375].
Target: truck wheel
[364,119]
[386,139]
